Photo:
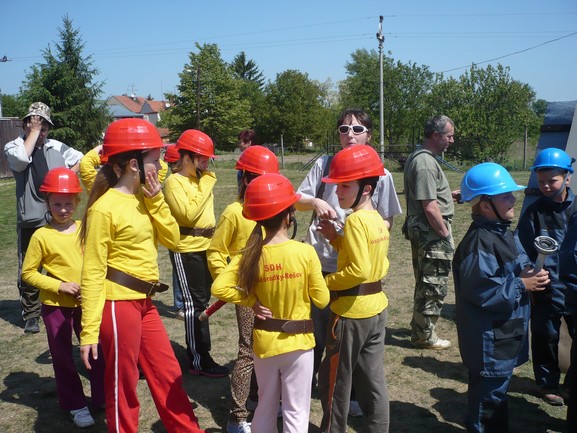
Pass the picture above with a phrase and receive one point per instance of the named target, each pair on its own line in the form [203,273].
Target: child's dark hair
[249,263]
[243,185]
[371,181]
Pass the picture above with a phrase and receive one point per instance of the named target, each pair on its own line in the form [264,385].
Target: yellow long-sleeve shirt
[290,277]
[123,231]
[89,169]
[362,258]
[61,256]
[191,201]
[230,236]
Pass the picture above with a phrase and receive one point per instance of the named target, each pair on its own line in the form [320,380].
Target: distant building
[132,106]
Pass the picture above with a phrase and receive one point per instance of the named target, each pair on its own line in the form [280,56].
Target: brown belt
[360,290]
[126,280]
[205,233]
[287,326]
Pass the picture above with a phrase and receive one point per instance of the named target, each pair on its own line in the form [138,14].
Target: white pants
[288,375]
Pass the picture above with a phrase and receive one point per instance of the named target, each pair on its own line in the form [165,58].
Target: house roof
[137,104]
[119,111]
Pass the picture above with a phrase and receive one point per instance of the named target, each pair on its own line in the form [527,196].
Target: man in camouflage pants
[428,226]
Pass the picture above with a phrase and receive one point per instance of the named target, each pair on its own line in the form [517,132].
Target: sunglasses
[357,129]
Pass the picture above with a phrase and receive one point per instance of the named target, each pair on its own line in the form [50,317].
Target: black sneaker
[32,326]
[211,369]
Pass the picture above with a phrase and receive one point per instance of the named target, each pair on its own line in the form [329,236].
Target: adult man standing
[30,157]
[428,226]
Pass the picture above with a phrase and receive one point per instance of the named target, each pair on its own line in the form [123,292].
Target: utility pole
[198,97]
[381,40]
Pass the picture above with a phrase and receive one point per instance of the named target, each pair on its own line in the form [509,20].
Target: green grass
[427,389]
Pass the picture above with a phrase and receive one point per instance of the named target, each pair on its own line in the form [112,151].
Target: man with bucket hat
[30,157]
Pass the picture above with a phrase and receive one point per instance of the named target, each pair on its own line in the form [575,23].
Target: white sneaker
[82,417]
[354,409]
[240,427]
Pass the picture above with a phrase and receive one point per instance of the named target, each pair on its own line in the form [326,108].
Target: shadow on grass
[10,311]
[443,369]
[410,418]
[399,337]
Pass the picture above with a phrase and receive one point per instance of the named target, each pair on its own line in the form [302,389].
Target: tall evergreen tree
[65,81]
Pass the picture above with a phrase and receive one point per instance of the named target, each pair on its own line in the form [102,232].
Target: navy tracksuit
[492,318]
[545,217]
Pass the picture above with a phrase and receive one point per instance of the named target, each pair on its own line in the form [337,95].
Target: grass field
[427,389]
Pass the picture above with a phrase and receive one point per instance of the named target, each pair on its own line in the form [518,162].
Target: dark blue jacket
[492,304]
[568,264]
[545,217]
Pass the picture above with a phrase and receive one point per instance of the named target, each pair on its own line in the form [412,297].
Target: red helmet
[61,180]
[257,160]
[172,154]
[196,141]
[268,195]
[355,163]
[126,135]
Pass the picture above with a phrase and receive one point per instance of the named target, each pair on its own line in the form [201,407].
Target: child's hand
[152,186]
[327,229]
[534,282]
[86,351]
[260,311]
[324,210]
[72,289]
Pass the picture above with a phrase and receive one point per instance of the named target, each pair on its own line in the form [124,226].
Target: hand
[456,196]
[72,289]
[324,210]
[33,124]
[98,149]
[534,282]
[260,311]
[85,352]
[152,186]
[327,229]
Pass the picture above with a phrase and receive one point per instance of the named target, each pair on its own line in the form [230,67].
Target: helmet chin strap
[141,168]
[359,195]
[293,223]
[496,212]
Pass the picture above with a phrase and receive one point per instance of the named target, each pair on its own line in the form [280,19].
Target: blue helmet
[487,178]
[553,158]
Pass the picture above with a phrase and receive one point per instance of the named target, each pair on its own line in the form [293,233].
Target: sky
[141,47]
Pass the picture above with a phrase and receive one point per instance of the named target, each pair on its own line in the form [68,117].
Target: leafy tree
[294,110]
[404,90]
[12,106]
[209,99]
[65,81]
[490,110]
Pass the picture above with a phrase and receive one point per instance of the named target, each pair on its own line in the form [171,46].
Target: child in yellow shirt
[56,249]
[355,342]
[279,278]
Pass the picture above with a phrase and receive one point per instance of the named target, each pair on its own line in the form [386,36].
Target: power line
[512,54]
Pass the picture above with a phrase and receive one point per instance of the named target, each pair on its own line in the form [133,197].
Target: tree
[12,106]
[294,109]
[247,70]
[65,82]
[209,99]
[404,89]
[490,110]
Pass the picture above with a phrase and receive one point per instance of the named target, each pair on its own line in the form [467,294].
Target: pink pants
[132,334]
[289,375]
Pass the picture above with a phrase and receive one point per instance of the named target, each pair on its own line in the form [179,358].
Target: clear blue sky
[142,46]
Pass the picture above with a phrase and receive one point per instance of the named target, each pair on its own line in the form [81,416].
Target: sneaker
[82,417]
[179,314]
[440,344]
[238,427]
[354,409]
[551,396]
[211,370]
[32,326]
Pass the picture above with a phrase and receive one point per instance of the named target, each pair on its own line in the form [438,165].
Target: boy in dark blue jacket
[492,279]
[549,216]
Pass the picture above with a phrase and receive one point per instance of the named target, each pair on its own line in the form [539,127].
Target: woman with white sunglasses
[354,127]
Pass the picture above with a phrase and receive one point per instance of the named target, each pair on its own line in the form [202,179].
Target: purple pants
[59,323]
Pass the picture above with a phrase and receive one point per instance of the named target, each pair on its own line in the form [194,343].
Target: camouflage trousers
[431,265]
